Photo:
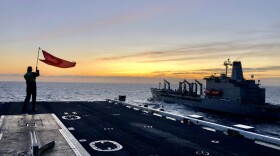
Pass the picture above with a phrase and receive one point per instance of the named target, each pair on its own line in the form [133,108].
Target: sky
[140,41]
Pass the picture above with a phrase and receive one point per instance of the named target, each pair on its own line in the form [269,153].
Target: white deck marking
[170,118]
[94,143]
[243,126]
[1,120]
[71,140]
[71,117]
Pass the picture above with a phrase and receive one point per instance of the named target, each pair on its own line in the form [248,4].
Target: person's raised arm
[37,72]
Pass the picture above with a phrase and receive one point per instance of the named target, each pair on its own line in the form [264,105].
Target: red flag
[57,62]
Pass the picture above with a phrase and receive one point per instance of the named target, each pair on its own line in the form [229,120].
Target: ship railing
[271,142]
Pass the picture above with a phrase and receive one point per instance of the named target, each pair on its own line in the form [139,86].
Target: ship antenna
[227,63]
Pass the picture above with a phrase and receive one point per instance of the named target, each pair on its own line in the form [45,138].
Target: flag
[57,62]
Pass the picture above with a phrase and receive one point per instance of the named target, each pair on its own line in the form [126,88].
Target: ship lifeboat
[216,93]
[207,92]
[213,92]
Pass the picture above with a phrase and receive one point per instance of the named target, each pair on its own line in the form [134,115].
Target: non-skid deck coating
[108,129]
[16,138]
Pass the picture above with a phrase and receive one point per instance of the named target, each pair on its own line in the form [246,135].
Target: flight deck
[115,128]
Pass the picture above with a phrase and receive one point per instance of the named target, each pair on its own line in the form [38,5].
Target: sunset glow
[143,39]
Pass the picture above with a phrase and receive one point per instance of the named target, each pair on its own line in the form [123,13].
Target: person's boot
[24,110]
[34,109]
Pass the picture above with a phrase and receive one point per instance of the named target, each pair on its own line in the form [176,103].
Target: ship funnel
[237,73]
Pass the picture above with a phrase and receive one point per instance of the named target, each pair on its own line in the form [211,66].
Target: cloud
[262,69]
[208,71]
[235,49]
[192,58]
[178,73]
[10,74]
[131,56]
[212,55]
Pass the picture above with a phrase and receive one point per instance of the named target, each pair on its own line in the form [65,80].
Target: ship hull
[220,105]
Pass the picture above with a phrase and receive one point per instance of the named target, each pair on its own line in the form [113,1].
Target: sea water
[135,94]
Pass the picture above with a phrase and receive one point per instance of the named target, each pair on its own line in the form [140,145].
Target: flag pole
[37,58]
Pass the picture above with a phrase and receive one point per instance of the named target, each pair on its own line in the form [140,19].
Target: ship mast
[227,63]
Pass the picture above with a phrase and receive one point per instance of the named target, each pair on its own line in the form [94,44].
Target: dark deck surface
[139,133]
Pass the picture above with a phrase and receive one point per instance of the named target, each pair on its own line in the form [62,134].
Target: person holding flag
[30,76]
[31,89]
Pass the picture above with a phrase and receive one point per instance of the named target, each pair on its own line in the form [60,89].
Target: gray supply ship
[222,93]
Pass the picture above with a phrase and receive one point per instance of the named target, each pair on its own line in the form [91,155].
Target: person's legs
[27,98]
[34,94]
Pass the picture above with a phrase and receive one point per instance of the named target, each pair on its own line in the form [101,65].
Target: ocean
[135,94]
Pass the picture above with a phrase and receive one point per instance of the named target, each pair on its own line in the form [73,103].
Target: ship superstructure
[235,88]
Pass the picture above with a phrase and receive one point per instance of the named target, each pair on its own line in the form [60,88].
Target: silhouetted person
[31,88]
